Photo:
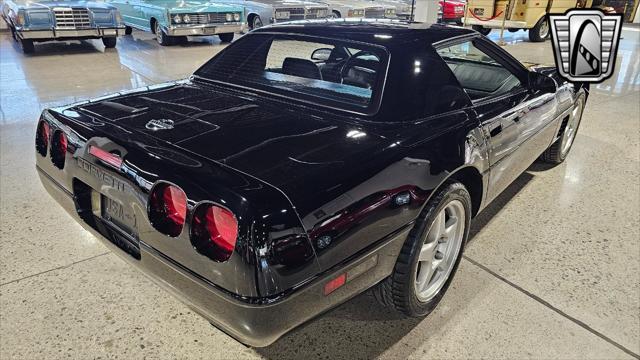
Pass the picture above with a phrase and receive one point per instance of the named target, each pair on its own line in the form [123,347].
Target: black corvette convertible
[308,162]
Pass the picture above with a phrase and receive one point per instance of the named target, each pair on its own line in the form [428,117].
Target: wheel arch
[152,24]
[471,178]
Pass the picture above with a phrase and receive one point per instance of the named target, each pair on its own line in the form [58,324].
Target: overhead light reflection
[354,134]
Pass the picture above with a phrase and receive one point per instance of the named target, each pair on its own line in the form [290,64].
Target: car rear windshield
[340,74]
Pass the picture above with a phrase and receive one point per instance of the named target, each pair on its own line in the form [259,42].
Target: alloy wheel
[544,29]
[440,250]
[158,33]
[570,131]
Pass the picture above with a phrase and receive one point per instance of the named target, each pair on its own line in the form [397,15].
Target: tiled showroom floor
[552,269]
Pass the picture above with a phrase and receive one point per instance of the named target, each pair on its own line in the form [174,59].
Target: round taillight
[214,231]
[167,208]
[59,149]
[42,138]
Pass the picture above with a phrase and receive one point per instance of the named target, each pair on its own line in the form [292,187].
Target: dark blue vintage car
[31,22]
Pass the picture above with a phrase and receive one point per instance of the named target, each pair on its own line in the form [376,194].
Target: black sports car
[306,163]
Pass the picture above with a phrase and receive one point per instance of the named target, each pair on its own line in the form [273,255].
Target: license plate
[210,31]
[118,214]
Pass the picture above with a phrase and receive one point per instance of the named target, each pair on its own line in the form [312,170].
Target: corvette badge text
[101,175]
[585,42]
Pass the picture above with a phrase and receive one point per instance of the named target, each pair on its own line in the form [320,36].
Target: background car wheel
[430,255]
[226,38]
[162,38]
[336,14]
[128,30]
[481,29]
[513,30]
[559,150]
[539,32]
[109,42]
[27,46]
[256,22]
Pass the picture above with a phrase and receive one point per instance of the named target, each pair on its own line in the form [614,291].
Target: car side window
[479,74]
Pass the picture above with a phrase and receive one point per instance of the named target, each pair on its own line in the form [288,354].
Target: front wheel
[540,32]
[226,38]
[256,22]
[559,150]
[162,38]
[128,30]
[430,256]
[481,29]
[109,42]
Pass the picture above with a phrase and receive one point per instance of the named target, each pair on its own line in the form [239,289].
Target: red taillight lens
[214,231]
[59,149]
[167,208]
[42,138]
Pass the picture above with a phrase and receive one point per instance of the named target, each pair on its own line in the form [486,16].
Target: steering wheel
[352,63]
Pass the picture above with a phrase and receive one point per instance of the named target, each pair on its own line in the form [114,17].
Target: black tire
[481,29]
[226,38]
[398,290]
[513,30]
[162,38]
[128,30]
[109,42]
[256,22]
[336,14]
[540,32]
[27,46]
[558,152]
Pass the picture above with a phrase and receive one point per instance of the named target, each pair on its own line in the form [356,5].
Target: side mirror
[322,54]
[541,83]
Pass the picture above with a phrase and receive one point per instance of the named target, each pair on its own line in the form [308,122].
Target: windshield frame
[377,93]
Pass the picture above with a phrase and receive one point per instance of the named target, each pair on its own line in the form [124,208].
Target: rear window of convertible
[328,72]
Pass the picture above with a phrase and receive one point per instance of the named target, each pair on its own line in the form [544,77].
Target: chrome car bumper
[203,30]
[56,34]
[496,23]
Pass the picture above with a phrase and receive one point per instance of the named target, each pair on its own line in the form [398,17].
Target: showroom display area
[542,267]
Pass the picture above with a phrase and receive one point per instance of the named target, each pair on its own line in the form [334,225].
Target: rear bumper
[58,34]
[256,321]
[203,30]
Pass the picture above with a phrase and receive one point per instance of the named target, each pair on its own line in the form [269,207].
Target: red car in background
[452,10]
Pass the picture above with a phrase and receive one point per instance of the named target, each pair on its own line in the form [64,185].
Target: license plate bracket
[114,212]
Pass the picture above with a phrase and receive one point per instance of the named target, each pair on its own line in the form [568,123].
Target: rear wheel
[128,30]
[27,46]
[430,255]
[226,38]
[481,29]
[336,14]
[513,30]
[559,150]
[109,42]
[540,32]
